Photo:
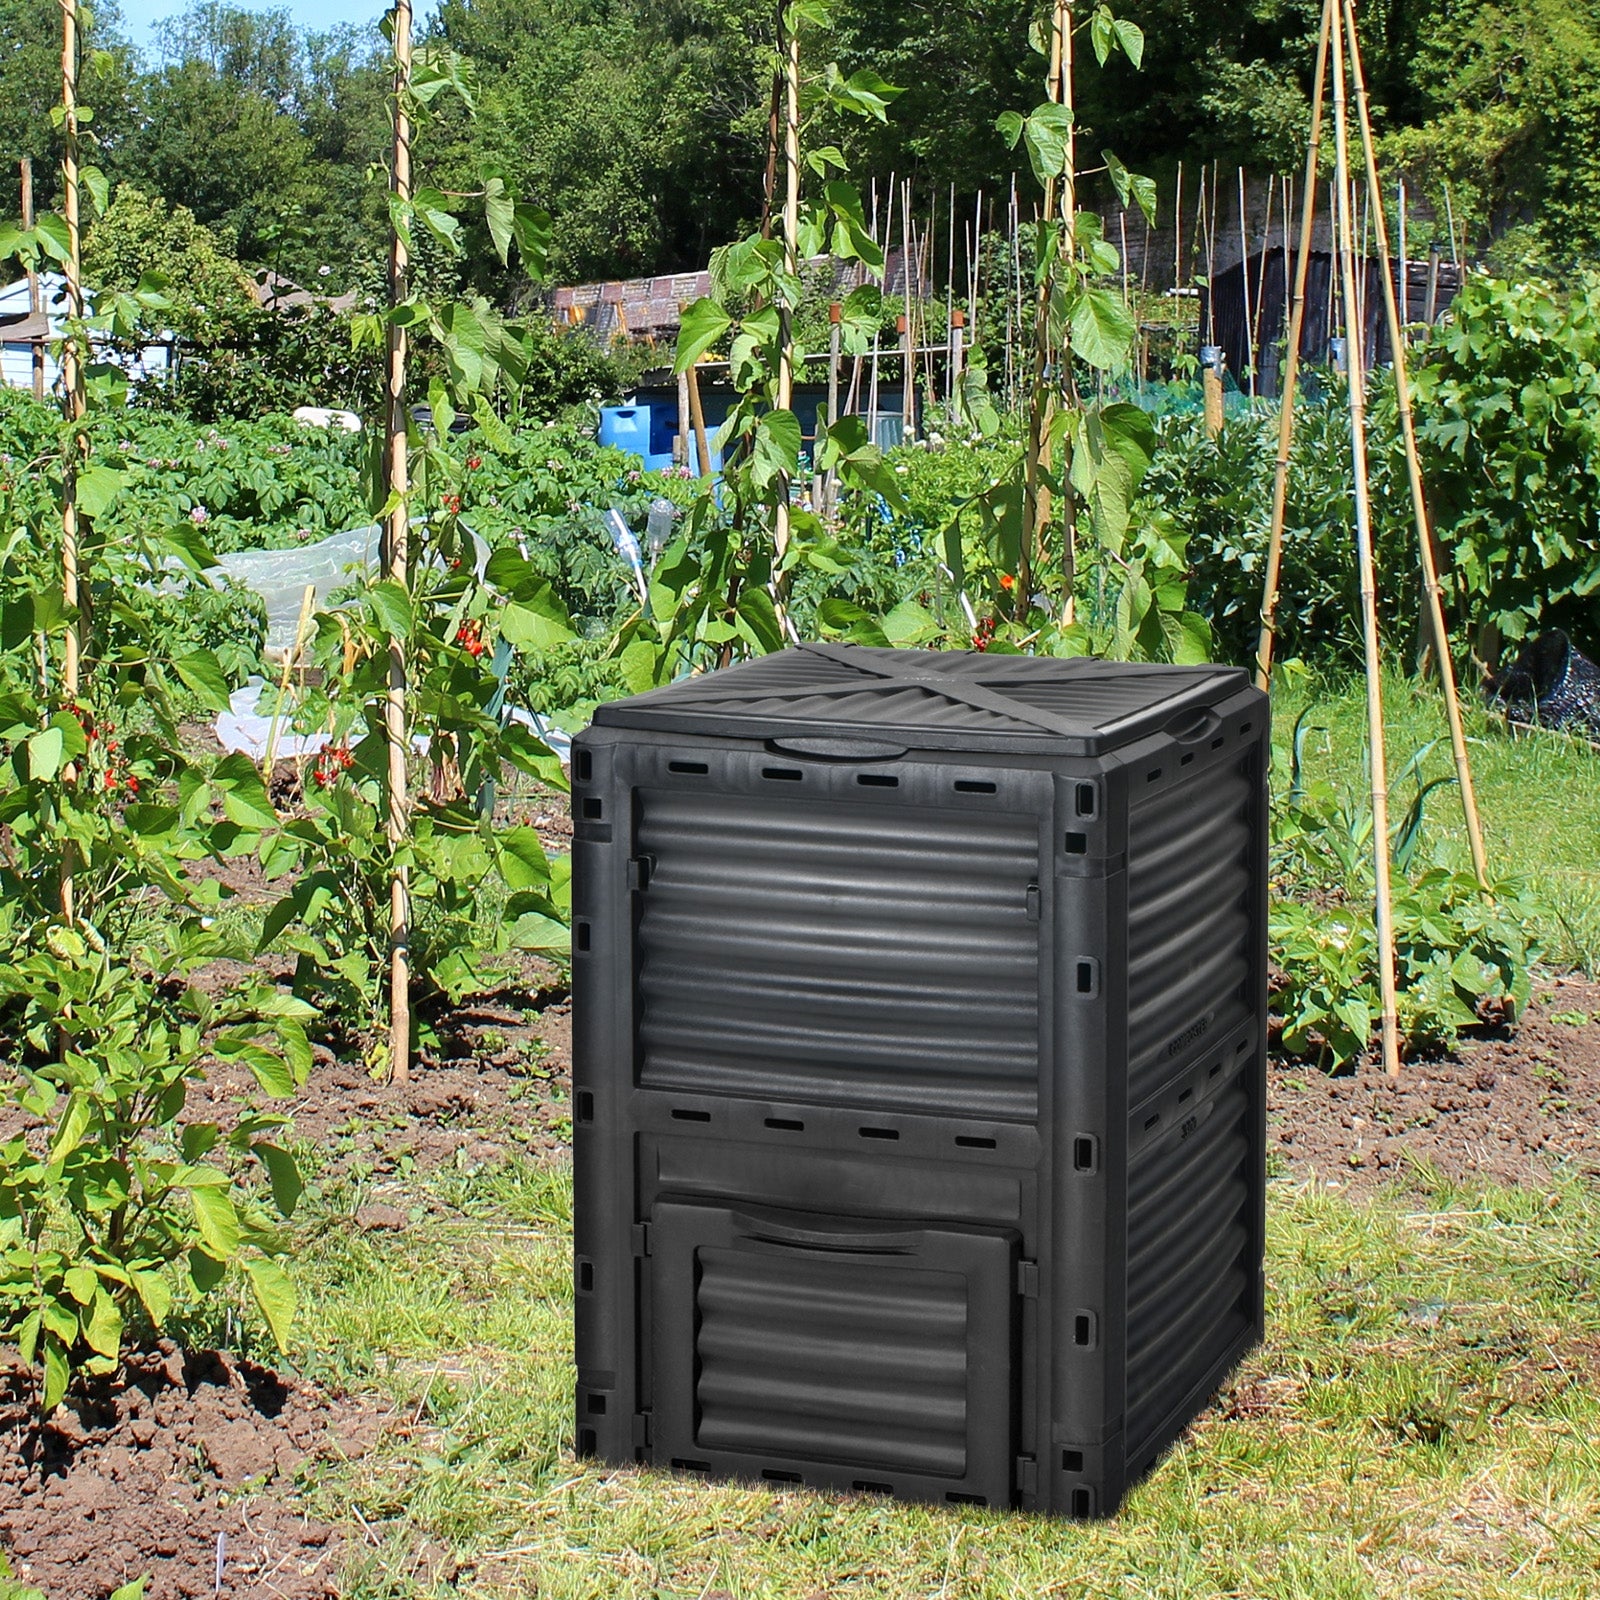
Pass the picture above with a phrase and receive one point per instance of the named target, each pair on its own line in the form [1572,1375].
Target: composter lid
[931,699]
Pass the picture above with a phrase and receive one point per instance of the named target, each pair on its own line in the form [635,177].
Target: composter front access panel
[919,1070]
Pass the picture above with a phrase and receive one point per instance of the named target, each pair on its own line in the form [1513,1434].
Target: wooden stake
[395,563]
[1419,507]
[1383,902]
[1291,363]
[908,399]
[830,482]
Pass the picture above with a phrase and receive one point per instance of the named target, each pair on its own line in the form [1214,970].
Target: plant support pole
[1291,364]
[395,563]
[789,40]
[1356,385]
[35,303]
[76,401]
[1419,504]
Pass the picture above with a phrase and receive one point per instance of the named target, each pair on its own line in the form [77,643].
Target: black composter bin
[919,1091]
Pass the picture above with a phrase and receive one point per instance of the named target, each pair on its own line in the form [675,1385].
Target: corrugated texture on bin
[919,1090]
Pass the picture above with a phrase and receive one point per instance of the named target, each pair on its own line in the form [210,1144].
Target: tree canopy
[641,124]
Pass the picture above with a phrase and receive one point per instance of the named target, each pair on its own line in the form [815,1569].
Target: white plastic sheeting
[246,727]
[280,576]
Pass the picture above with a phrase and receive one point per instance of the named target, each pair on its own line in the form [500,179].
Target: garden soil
[184,1467]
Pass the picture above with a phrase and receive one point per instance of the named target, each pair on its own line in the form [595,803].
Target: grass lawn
[1423,1421]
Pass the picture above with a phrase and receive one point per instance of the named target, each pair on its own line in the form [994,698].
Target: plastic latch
[1028,1279]
[641,1429]
[1033,902]
[639,869]
[641,1238]
[1027,1475]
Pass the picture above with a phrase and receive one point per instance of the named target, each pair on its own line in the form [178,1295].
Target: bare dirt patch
[1513,1106]
[183,1467]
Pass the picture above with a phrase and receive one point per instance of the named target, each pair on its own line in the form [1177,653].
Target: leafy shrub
[1510,399]
[1220,493]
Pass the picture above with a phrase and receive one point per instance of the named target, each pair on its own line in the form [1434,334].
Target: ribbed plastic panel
[919,1070]
[1191,924]
[830,1360]
[888,960]
[1191,1270]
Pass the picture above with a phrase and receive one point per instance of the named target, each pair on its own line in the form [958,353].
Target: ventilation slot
[965,1499]
[879,1133]
[867,1486]
[1086,800]
[972,786]
[585,1277]
[1152,775]
[1072,1461]
[585,1105]
[581,937]
[684,1465]
[596,1405]
[1082,1503]
[877,780]
[1151,1120]
[1244,728]
[786,1124]
[679,1114]
[693,769]
[1186,758]
[586,1441]
[1188,1094]
[1077,844]
[783,774]
[585,766]
[1088,972]
[772,1475]
[593,810]
[969,1141]
[1083,1330]
[1216,744]
[1085,1152]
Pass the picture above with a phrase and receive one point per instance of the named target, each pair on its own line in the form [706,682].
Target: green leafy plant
[113,1193]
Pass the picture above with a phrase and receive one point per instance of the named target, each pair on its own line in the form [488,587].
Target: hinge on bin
[1027,1475]
[641,1238]
[641,1429]
[1028,1279]
[639,868]
[1033,902]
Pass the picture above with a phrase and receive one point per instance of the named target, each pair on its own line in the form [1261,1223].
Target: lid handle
[1193,725]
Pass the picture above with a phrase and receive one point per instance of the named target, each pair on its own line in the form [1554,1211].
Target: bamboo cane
[1261,285]
[1035,494]
[1419,506]
[1244,285]
[76,403]
[789,37]
[395,564]
[698,416]
[270,758]
[1383,899]
[35,304]
[1291,365]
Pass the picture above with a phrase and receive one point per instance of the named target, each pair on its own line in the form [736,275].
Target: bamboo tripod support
[1377,762]
[1339,41]
[1419,504]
